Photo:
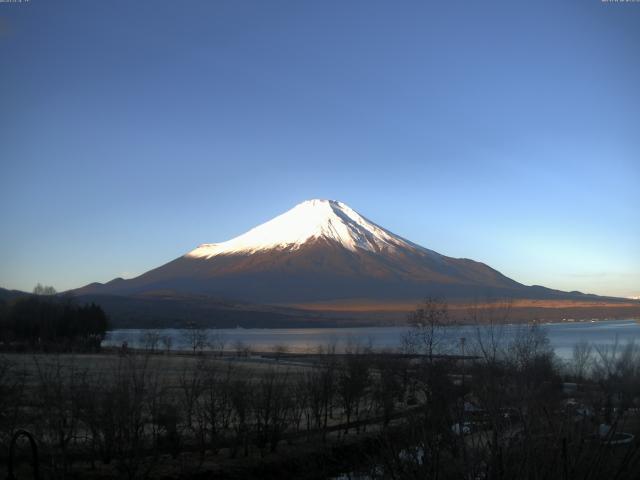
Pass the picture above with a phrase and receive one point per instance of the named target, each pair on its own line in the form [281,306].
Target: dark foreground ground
[506,410]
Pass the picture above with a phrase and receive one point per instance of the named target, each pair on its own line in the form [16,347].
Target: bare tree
[12,386]
[167,342]
[217,341]
[617,369]
[57,385]
[241,401]
[271,404]
[529,343]
[489,321]
[353,380]
[280,350]
[241,348]
[195,337]
[427,322]
[40,289]
[192,388]
[217,406]
[388,387]
[582,359]
[150,339]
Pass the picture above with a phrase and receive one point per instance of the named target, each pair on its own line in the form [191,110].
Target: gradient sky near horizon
[507,132]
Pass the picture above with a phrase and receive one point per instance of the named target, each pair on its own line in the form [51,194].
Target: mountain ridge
[323,252]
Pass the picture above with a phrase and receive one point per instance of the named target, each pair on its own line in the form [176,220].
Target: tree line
[46,321]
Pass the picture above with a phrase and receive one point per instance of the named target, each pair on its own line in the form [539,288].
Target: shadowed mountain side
[319,270]
[170,311]
[10,295]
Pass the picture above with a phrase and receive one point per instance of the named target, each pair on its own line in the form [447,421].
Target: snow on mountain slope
[313,219]
[319,250]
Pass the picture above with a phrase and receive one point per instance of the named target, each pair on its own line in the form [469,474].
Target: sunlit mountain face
[321,251]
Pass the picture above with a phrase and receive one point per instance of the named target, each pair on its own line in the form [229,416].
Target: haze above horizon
[507,133]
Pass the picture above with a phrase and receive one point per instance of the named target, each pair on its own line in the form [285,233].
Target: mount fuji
[321,254]
[323,264]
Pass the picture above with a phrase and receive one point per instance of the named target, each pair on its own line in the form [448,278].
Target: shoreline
[382,325]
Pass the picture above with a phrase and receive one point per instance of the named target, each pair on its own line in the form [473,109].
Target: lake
[562,336]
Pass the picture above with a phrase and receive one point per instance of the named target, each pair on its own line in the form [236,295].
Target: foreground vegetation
[490,407]
[46,322]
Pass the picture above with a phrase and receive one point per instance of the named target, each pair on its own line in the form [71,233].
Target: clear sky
[507,132]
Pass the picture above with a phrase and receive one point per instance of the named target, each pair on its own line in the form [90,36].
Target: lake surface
[562,336]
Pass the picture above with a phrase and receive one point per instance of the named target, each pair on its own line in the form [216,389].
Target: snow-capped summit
[320,250]
[310,220]
[322,256]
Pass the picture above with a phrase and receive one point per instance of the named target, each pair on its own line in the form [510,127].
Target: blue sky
[507,132]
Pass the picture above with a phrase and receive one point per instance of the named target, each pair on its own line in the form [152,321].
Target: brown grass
[520,309]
